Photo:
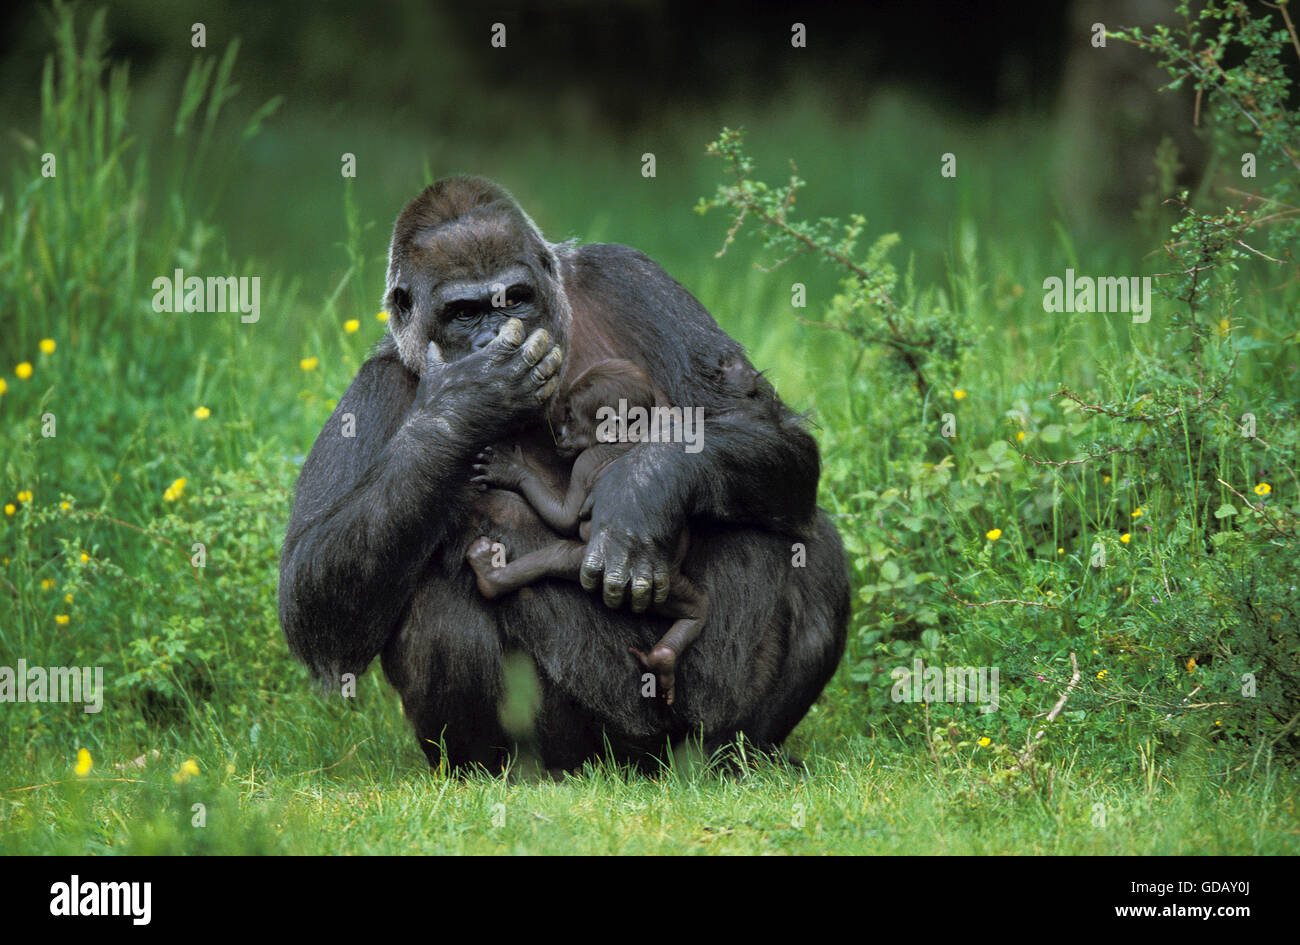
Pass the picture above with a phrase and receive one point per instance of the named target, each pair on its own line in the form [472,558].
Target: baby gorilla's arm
[502,471]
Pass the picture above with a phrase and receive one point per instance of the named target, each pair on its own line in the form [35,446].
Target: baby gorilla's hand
[495,469]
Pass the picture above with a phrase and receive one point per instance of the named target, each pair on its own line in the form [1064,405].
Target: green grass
[195,661]
[861,797]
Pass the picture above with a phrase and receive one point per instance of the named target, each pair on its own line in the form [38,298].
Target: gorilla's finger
[615,587]
[507,340]
[593,565]
[662,581]
[535,346]
[616,575]
[545,391]
[548,365]
[433,355]
[640,589]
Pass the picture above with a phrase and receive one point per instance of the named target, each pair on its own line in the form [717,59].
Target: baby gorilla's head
[602,385]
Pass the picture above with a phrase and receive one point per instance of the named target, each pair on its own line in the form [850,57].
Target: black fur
[374,558]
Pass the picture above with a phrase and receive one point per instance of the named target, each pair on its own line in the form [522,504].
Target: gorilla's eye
[519,295]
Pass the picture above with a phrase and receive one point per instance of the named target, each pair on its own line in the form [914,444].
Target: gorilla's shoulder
[606,253]
[616,272]
[597,261]
[382,376]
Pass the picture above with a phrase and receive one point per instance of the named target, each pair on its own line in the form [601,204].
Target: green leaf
[1225,510]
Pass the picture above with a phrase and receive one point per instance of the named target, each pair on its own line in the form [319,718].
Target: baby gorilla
[603,384]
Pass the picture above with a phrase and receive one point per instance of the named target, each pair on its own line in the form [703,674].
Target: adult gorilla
[374,559]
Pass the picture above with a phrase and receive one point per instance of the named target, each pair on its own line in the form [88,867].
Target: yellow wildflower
[309,364]
[959,395]
[985,742]
[351,326]
[382,316]
[25,496]
[1138,513]
[47,584]
[1191,664]
[48,345]
[202,413]
[23,371]
[4,386]
[174,491]
[993,534]
[1263,489]
[84,763]
[1126,538]
[84,557]
[189,768]
[10,508]
[62,619]
[1105,480]
[1103,674]
[65,506]
[1020,436]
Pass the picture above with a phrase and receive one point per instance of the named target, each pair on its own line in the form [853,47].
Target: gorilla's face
[463,315]
[577,432]
[456,283]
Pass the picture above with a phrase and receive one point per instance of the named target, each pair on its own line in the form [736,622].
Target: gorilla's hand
[635,525]
[494,387]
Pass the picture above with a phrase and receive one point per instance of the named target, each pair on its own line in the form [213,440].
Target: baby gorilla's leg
[690,605]
[561,559]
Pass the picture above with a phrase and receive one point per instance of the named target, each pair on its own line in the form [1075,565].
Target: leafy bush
[1148,523]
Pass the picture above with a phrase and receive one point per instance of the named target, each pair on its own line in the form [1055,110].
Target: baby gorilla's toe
[479,557]
[662,661]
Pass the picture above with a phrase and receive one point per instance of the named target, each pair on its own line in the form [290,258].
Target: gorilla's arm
[757,464]
[372,507]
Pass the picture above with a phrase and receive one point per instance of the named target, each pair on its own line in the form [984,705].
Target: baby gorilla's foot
[662,661]
[480,556]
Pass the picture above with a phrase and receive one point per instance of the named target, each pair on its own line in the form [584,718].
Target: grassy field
[857,798]
[1157,751]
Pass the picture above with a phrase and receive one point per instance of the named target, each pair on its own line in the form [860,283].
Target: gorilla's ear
[398,301]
